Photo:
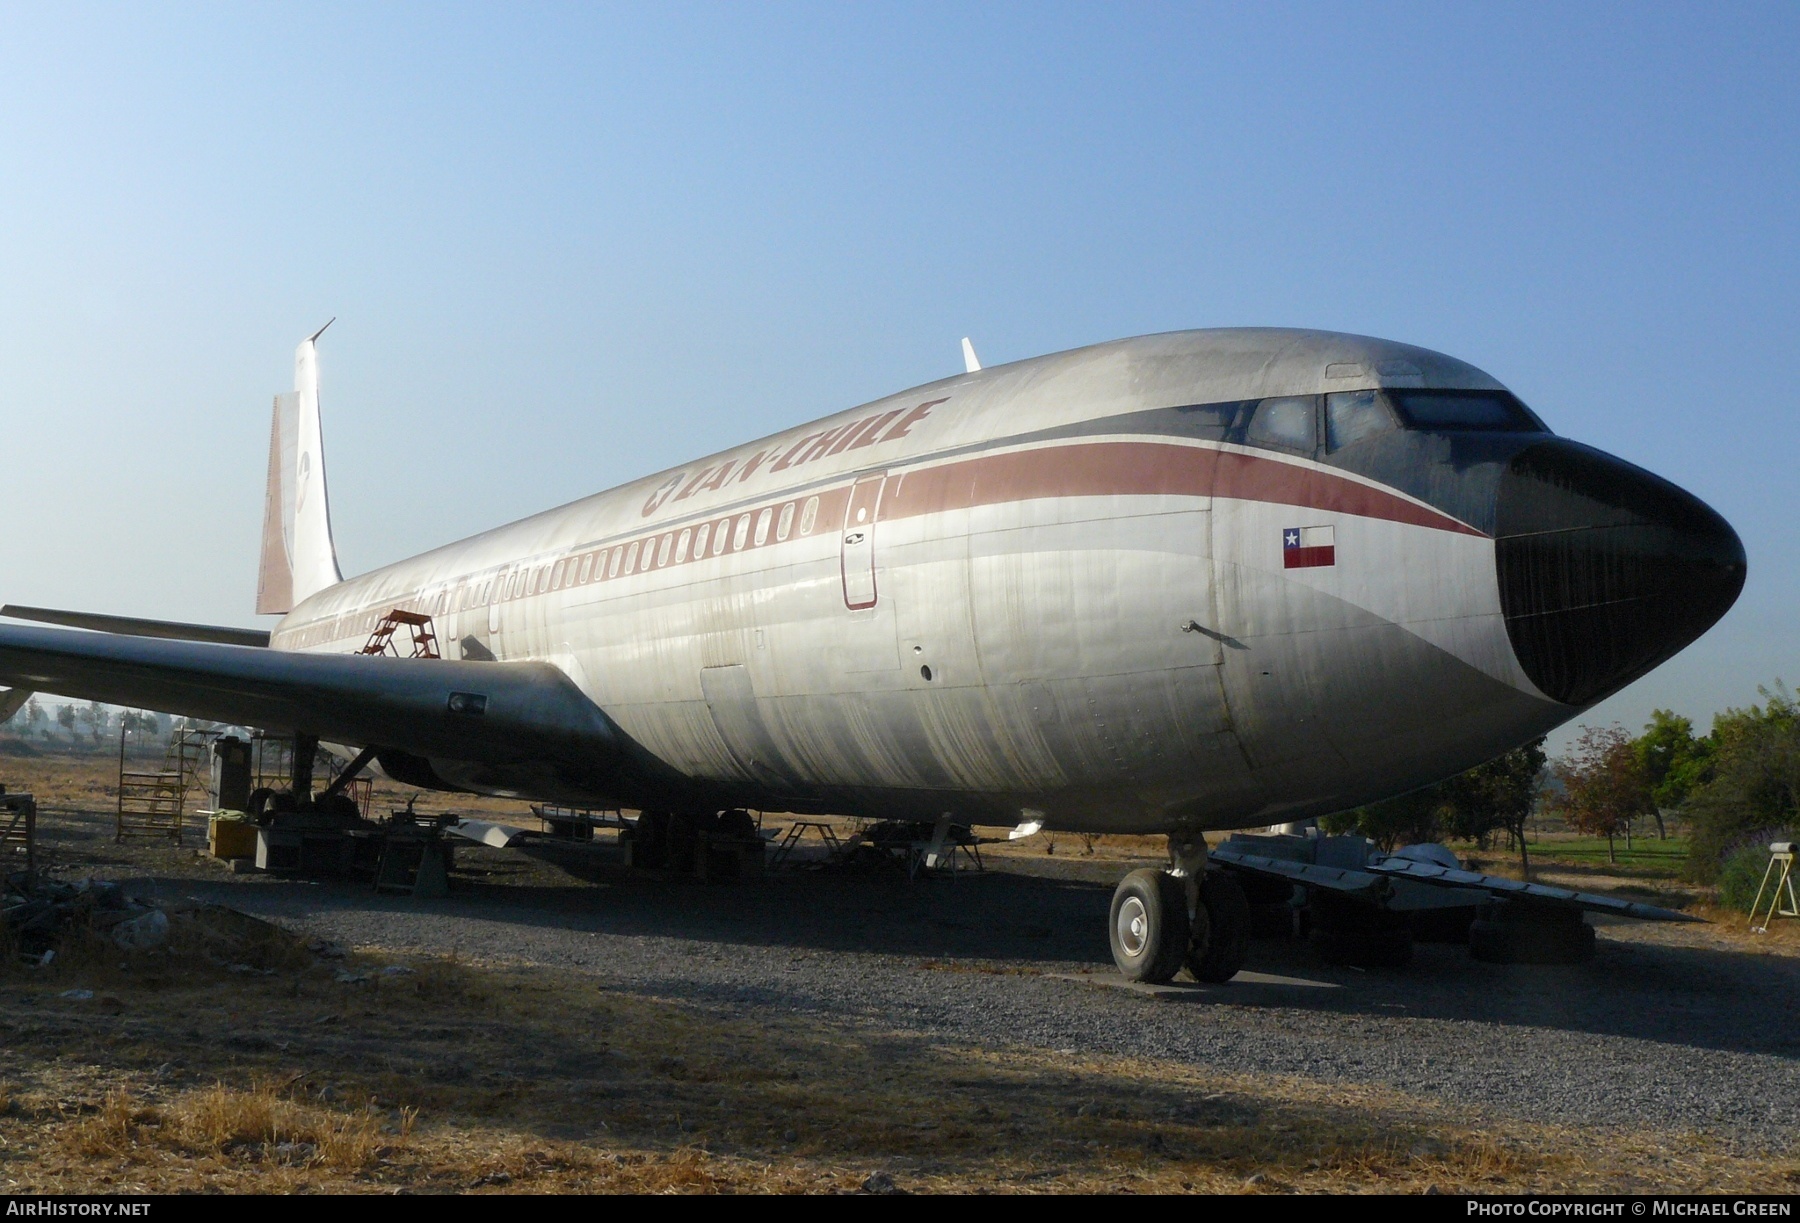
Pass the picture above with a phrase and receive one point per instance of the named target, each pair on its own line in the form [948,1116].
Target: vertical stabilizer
[275,579]
[299,558]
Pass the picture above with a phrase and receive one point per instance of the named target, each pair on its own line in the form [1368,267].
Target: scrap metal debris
[40,918]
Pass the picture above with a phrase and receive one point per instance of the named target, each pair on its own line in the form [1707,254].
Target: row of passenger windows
[747,530]
[1297,423]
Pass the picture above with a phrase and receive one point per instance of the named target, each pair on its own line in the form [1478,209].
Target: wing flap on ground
[1374,881]
[1443,876]
[1334,878]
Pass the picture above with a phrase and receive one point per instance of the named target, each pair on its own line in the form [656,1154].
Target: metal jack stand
[413,863]
[18,827]
[1781,896]
[796,832]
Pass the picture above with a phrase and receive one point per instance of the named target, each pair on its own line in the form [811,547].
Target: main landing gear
[1184,917]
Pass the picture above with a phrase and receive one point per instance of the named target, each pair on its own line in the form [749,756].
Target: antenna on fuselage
[970,364]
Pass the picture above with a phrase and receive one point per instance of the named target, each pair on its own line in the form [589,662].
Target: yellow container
[231,838]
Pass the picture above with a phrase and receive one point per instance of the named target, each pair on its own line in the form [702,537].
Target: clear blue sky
[570,245]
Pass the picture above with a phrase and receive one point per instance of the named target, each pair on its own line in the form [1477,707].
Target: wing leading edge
[133,626]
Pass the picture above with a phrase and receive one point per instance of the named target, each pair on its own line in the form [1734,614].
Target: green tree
[1499,795]
[65,718]
[1604,786]
[1496,795]
[1754,789]
[1673,760]
[1409,819]
[94,717]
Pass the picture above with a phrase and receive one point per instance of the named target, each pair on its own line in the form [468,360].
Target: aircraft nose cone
[1605,570]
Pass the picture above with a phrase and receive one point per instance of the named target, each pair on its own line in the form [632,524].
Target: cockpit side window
[1287,423]
[1354,416]
[1485,411]
[1212,421]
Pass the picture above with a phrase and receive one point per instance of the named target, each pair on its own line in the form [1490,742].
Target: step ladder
[154,803]
[424,636]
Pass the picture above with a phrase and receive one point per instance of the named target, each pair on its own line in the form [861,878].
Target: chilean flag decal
[1308,547]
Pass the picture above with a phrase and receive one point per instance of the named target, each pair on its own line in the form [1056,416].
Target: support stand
[1781,896]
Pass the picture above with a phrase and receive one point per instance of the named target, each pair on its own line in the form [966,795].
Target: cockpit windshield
[1486,411]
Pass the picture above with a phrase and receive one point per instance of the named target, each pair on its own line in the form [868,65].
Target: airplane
[1175,584]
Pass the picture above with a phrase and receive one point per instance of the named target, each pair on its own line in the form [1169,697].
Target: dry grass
[266,1125]
[457,1077]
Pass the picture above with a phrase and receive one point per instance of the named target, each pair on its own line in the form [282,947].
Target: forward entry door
[859,542]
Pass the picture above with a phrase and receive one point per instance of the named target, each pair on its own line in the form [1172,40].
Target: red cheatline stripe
[1308,558]
[1100,469]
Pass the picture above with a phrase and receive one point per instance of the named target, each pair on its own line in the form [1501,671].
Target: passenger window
[662,551]
[587,567]
[785,524]
[721,536]
[681,545]
[809,515]
[631,555]
[612,566]
[700,539]
[1288,422]
[1354,416]
[762,527]
[556,578]
[740,533]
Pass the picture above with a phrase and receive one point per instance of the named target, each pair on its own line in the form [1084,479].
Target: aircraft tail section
[299,557]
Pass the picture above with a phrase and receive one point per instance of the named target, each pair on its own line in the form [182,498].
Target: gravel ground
[1669,1028]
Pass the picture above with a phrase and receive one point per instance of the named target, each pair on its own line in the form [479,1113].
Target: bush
[1755,784]
[1742,873]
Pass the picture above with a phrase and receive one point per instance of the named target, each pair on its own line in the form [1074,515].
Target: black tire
[740,825]
[1441,925]
[1222,953]
[650,840]
[1149,926]
[1364,948]
[1516,942]
[681,841]
[340,806]
[1272,920]
[1263,890]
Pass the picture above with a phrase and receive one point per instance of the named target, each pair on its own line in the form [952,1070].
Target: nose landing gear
[1151,926]
[1190,917]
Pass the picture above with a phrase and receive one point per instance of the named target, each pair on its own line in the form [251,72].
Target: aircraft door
[858,549]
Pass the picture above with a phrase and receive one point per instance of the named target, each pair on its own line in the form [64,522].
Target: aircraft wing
[133,626]
[484,713]
[1373,881]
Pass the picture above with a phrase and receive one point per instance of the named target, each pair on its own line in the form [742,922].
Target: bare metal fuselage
[1005,594]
